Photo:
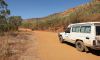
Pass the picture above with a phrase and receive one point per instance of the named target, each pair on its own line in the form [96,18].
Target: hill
[59,21]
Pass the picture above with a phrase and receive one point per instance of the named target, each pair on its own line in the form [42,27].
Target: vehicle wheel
[80,46]
[61,39]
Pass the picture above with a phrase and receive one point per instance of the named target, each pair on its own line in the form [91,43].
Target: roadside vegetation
[88,12]
[8,23]
[12,42]
[13,45]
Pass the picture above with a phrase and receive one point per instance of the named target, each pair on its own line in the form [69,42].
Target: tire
[80,46]
[61,39]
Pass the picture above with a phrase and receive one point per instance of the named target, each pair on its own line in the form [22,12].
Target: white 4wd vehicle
[83,35]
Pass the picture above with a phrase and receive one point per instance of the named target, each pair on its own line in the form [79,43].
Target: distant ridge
[89,12]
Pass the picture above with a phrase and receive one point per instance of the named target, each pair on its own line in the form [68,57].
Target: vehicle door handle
[87,38]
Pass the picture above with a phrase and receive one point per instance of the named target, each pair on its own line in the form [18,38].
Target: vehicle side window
[85,29]
[76,29]
[97,30]
[73,29]
[67,30]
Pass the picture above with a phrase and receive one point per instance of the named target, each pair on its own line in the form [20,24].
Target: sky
[40,8]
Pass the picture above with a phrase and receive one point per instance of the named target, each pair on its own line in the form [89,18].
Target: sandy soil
[49,48]
[31,52]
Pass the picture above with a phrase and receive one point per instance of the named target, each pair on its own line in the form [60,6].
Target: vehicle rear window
[97,30]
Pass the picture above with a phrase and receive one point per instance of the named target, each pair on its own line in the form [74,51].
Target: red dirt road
[49,48]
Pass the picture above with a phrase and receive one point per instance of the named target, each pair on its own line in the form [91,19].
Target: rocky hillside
[58,21]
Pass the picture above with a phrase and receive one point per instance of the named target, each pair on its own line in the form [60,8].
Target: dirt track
[49,48]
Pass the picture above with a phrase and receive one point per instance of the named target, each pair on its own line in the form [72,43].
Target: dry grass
[12,45]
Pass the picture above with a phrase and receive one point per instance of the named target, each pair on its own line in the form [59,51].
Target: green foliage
[27,25]
[3,14]
[15,21]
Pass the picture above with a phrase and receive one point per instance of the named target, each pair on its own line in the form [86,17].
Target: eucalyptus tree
[4,12]
[3,8]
